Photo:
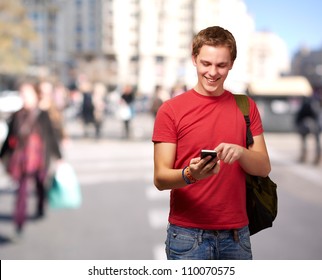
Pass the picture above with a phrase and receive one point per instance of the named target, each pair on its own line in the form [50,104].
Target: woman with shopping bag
[29,149]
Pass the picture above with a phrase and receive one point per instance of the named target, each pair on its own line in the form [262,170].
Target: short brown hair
[214,36]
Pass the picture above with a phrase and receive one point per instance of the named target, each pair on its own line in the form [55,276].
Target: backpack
[261,192]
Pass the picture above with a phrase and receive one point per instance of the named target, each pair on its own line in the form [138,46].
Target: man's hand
[203,168]
[229,153]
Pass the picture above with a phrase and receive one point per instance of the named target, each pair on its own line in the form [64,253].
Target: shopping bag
[125,112]
[64,191]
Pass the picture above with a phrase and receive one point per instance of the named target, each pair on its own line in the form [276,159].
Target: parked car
[10,102]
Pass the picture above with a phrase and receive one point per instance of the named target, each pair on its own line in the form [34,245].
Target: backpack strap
[243,105]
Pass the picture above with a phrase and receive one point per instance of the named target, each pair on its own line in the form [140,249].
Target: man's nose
[212,71]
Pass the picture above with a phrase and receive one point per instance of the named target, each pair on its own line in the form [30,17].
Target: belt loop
[200,234]
[235,235]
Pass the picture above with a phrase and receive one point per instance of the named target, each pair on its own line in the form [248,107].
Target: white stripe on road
[159,252]
[158,218]
[152,193]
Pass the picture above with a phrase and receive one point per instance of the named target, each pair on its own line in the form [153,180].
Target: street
[123,216]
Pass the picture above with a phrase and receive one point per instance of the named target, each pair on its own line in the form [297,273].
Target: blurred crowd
[33,146]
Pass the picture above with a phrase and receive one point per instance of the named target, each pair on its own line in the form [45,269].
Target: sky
[297,22]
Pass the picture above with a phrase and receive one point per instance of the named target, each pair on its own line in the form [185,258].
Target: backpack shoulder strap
[242,102]
[243,105]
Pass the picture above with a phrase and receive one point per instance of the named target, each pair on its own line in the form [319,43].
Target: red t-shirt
[194,122]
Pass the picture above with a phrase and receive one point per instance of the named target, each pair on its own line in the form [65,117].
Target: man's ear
[231,66]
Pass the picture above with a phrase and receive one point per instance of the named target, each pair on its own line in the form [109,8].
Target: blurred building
[144,42]
[269,57]
[308,63]
[66,30]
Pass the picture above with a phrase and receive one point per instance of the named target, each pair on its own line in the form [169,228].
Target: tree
[16,34]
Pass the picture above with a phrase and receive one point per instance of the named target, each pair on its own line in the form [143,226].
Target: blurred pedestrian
[126,108]
[307,123]
[157,100]
[178,89]
[208,218]
[99,104]
[61,96]
[47,102]
[28,151]
[87,108]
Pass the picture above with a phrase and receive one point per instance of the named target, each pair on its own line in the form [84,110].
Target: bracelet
[184,176]
[189,176]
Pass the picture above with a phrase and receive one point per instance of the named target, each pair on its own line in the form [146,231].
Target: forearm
[255,163]
[168,179]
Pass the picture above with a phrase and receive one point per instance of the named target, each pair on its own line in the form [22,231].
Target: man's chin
[212,89]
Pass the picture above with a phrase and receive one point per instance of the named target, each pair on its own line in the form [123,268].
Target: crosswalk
[117,181]
[123,163]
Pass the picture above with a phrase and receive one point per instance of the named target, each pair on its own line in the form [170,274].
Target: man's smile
[212,80]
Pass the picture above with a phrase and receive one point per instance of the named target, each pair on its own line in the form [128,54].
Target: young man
[208,218]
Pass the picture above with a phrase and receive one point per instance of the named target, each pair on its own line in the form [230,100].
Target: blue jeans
[197,244]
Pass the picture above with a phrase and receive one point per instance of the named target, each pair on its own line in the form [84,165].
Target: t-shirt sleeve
[256,125]
[164,125]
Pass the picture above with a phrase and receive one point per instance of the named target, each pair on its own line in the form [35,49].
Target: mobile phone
[205,153]
[212,153]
